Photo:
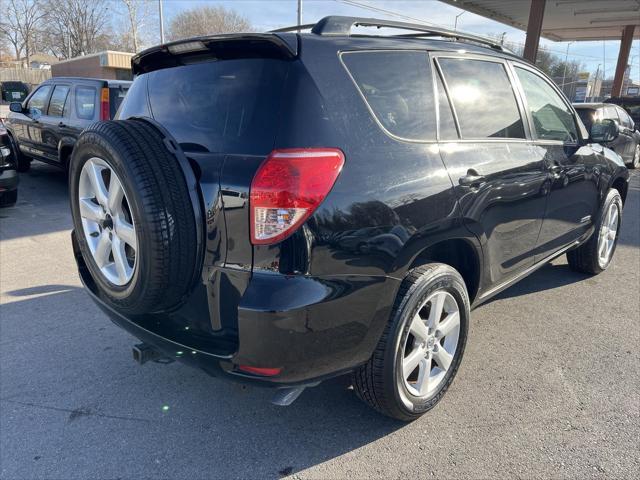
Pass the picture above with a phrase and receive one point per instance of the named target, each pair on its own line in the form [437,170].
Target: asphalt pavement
[549,386]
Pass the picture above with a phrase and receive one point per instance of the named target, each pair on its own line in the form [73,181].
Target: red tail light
[265,372]
[287,188]
[104,104]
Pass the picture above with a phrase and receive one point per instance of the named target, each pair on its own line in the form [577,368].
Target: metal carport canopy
[564,20]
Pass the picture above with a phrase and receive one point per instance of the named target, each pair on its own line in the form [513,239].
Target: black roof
[88,79]
[588,105]
[336,25]
[283,43]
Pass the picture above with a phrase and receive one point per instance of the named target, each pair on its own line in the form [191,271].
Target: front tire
[635,163]
[23,163]
[595,255]
[421,348]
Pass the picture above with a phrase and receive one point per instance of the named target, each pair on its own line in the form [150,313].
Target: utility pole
[161,21]
[566,59]
[595,83]
[604,60]
[455,23]
[299,14]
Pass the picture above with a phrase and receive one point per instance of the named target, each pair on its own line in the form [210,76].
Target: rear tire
[388,382]
[161,251]
[595,255]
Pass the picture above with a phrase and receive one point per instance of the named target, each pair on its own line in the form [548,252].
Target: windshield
[224,106]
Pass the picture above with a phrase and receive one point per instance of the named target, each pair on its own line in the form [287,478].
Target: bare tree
[11,35]
[206,20]
[20,26]
[139,13]
[75,27]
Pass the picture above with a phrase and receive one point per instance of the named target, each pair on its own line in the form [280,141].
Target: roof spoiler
[340,25]
[218,47]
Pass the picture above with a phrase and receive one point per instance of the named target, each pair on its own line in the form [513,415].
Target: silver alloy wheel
[107,223]
[608,232]
[431,344]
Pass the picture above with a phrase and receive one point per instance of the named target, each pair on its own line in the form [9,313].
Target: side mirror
[604,131]
[15,107]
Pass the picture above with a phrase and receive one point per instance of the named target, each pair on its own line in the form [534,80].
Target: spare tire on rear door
[133,216]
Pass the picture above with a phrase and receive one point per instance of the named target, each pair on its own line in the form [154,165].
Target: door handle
[62,124]
[472,179]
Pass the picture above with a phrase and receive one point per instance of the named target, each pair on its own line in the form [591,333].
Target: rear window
[398,89]
[226,106]
[483,98]
[116,95]
[58,101]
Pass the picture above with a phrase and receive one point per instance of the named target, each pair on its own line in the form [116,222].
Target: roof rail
[293,28]
[340,25]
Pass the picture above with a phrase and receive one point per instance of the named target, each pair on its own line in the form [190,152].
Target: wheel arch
[65,149]
[621,184]
[460,253]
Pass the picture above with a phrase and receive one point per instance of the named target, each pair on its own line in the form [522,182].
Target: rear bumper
[308,327]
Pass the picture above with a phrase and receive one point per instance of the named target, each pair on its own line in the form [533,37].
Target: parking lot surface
[549,386]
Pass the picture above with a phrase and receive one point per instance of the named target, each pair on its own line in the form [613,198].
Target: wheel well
[621,185]
[65,154]
[459,254]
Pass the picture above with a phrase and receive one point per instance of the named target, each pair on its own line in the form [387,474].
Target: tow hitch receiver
[142,353]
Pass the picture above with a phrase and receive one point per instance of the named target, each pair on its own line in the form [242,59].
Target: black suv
[46,125]
[630,104]
[626,138]
[285,207]
[8,174]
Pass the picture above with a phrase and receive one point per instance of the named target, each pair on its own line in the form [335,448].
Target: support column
[534,27]
[623,59]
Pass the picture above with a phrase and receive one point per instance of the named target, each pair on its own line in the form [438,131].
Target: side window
[447,123]
[552,118]
[611,113]
[588,116]
[38,101]
[625,119]
[483,97]
[85,102]
[398,88]
[58,101]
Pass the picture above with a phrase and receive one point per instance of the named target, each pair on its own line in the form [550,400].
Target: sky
[270,14]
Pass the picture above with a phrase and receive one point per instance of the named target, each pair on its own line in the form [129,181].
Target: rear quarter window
[85,102]
[229,106]
[398,89]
